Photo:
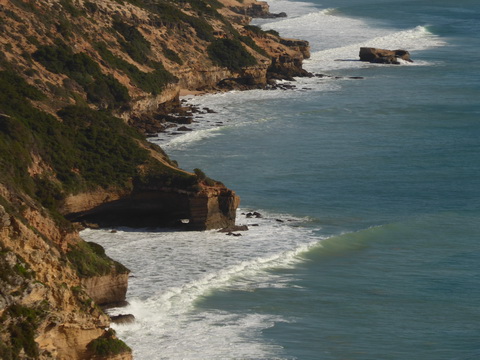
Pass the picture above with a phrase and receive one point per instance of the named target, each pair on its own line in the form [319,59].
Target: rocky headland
[82,82]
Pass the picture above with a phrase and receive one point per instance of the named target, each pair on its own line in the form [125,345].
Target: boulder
[122,319]
[234,228]
[383,56]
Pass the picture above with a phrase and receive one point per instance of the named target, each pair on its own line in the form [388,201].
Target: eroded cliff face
[45,313]
[73,75]
[128,39]
[199,207]
[106,290]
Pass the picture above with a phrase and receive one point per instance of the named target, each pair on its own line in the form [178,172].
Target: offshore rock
[382,56]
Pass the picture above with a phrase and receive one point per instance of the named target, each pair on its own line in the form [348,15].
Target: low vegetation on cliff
[78,78]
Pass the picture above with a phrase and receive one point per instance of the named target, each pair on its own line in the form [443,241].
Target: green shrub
[71,8]
[89,261]
[25,5]
[230,54]
[108,345]
[252,44]
[273,32]
[171,55]
[48,192]
[153,82]
[16,136]
[158,173]
[200,174]
[100,88]
[171,15]
[91,7]
[22,324]
[87,149]
[255,29]
[134,43]
[104,150]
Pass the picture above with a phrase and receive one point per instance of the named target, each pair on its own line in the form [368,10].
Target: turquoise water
[375,181]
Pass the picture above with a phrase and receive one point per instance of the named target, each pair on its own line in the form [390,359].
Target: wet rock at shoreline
[122,319]
[253,214]
[383,56]
[234,228]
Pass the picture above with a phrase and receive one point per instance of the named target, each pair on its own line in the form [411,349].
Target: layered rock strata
[210,207]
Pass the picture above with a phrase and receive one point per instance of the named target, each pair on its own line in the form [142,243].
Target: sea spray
[172,270]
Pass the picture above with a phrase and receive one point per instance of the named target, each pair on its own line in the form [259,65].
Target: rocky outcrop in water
[382,56]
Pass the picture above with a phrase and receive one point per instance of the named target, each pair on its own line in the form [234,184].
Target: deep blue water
[389,168]
[384,175]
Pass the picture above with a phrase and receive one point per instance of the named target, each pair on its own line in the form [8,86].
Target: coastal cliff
[79,80]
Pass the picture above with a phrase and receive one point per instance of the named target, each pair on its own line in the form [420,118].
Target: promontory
[82,82]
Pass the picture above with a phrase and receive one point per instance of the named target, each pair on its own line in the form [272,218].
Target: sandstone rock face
[210,208]
[254,9]
[382,56]
[107,289]
[35,276]
[209,78]
[301,46]
[213,208]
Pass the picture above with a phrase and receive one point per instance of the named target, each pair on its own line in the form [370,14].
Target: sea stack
[382,56]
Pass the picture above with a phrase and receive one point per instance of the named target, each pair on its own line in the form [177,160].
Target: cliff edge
[81,81]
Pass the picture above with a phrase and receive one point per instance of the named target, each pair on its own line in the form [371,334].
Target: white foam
[233,109]
[416,39]
[335,42]
[172,270]
[333,36]
[292,8]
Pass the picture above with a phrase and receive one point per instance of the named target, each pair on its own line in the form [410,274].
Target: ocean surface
[369,243]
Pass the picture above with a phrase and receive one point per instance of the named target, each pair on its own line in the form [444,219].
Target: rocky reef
[81,84]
